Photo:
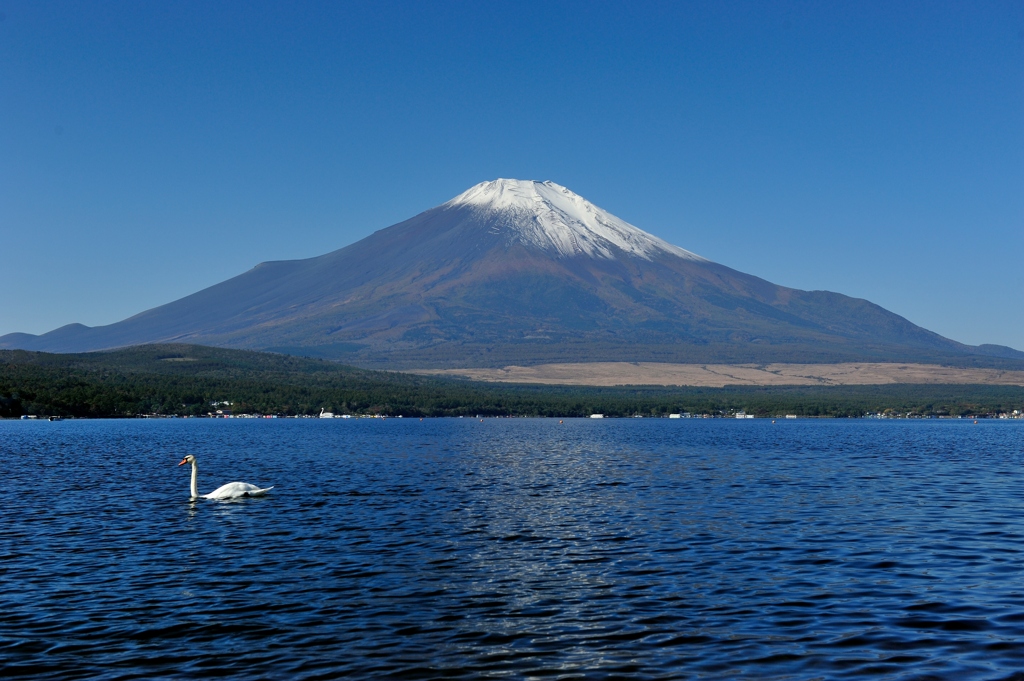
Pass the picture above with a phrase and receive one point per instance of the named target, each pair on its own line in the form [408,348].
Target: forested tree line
[187,380]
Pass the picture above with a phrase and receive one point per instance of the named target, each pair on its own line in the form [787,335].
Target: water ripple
[513,548]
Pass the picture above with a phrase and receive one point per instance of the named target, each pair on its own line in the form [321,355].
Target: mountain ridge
[519,272]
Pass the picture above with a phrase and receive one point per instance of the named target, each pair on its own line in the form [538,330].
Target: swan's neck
[195,490]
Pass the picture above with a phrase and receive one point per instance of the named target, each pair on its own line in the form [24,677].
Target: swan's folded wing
[233,490]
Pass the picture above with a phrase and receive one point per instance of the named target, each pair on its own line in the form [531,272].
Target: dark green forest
[185,380]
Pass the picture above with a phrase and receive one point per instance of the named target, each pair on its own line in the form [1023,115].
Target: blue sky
[148,150]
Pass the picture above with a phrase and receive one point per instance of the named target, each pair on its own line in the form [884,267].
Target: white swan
[326,414]
[232,490]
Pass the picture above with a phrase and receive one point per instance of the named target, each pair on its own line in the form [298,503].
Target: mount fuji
[522,272]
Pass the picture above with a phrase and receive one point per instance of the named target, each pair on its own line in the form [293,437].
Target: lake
[514,548]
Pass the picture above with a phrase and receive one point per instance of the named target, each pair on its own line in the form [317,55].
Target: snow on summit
[551,217]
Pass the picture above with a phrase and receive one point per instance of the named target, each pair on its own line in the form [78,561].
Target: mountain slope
[519,272]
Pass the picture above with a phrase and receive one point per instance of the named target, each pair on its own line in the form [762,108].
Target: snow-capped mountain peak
[549,216]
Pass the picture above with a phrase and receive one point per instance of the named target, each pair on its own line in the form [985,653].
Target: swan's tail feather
[258,492]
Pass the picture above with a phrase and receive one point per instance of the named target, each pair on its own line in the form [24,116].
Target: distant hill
[521,272]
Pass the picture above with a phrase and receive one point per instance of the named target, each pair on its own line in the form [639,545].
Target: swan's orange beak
[183,462]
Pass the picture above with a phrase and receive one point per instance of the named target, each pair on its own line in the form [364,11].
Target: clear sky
[151,149]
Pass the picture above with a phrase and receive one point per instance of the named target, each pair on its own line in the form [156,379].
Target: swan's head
[188,459]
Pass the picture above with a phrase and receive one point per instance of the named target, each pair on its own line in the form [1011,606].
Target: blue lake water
[525,548]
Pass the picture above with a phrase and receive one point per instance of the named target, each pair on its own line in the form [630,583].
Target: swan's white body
[232,490]
[326,414]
